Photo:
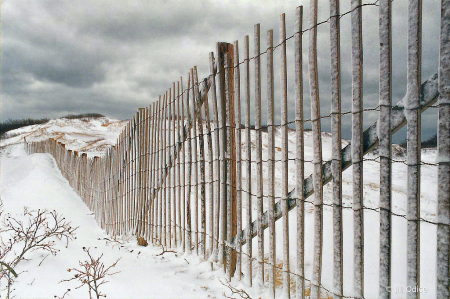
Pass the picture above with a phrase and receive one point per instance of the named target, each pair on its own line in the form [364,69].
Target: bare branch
[37,231]
[164,250]
[240,292]
[92,273]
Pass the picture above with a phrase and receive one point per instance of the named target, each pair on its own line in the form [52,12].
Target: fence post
[443,206]
[225,55]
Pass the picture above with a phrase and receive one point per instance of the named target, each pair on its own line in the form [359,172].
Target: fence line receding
[213,163]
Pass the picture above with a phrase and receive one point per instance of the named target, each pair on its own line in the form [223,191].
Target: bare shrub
[37,231]
[92,273]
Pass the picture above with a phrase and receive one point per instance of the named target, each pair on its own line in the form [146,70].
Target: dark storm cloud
[112,57]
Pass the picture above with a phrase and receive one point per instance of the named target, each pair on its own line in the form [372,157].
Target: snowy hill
[91,135]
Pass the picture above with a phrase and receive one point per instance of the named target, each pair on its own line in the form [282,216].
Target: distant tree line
[85,115]
[12,124]
[429,143]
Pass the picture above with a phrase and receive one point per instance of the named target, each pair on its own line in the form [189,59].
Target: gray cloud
[111,57]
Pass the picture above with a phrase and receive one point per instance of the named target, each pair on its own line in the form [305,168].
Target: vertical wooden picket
[284,159]
[216,154]
[299,156]
[385,148]
[443,158]
[249,160]
[357,149]
[271,161]
[413,136]
[336,160]
[317,157]
[259,179]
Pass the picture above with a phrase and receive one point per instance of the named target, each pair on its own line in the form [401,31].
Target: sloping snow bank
[35,182]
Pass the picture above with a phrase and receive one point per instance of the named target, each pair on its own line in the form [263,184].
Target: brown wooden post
[225,55]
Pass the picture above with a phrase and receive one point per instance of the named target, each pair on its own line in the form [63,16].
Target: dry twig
[92,273]
[240,292]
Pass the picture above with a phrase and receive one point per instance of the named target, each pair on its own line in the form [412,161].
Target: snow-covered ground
[35,181]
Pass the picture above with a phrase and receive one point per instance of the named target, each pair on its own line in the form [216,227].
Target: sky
[112,57]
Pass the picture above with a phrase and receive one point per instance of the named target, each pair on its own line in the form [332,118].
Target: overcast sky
[111,57]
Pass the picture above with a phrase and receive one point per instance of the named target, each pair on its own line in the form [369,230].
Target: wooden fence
[187,170]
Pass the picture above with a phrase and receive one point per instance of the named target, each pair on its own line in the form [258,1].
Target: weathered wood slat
[248,237]
[216,154]
[201,162]
[174,167]
[317,155]
[211,209]
[385,148]
[259,179]
[179,144]
[238,161]
[271,161]
[336,170]
[443,159]
[189,172]
[357,153]
[413,137]
[299,157]
[195,160]
[284,159]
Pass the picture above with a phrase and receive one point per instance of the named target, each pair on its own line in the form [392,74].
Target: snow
[90,135]
[35,181]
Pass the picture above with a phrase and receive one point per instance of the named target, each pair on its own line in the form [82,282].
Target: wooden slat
[259,179]
[147,212]
[385,148]
[159,164]
[183,168]
[443,158]
[317,156]
[238,161]
[230,158]
[127,176]
[271,162]
[413,135]
[189,172]
[202,177]
[165,196]
[216,154]
[133,174]
[174,167]
[300,156]
[195,162]
[179,161]
[357,149]
[148,136]
[336,162]
[211,176]
[248,170]
[152,169]
[284,159]
[222,145]
[168,149]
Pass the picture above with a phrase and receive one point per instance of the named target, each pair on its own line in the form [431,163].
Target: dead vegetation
[92,273]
